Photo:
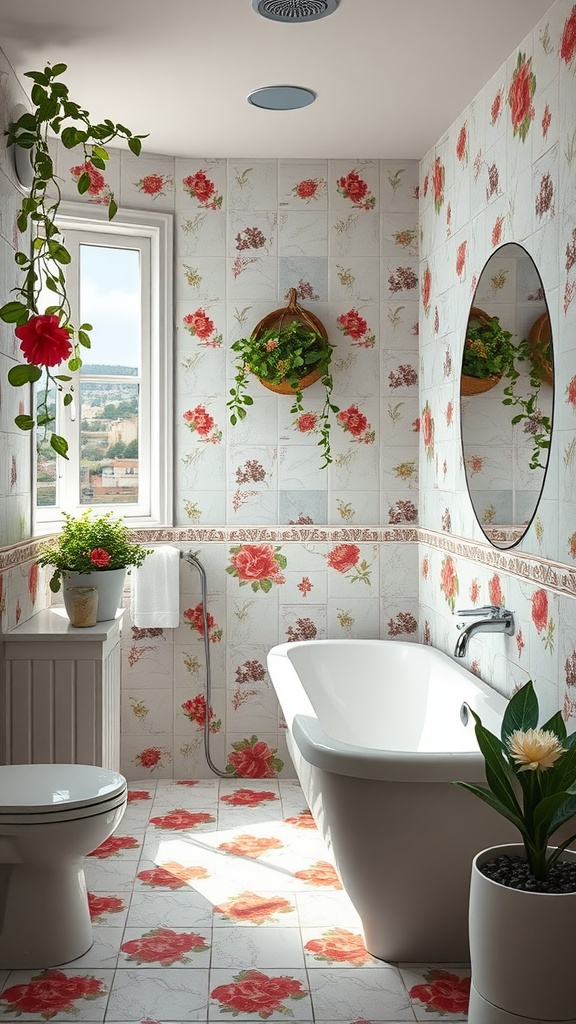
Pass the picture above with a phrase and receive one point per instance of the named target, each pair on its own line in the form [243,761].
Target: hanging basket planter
[477,385]
[488,343]
[287,352]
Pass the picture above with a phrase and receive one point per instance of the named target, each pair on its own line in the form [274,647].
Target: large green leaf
[521,712]
[13,313]
[556,725]
[499,775]
[493,802]
[24,373]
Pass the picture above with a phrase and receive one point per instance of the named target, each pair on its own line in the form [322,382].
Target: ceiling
[390,75]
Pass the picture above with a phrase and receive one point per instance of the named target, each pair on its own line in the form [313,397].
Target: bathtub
[377,732]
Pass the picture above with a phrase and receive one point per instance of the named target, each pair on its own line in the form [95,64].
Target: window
[119,426]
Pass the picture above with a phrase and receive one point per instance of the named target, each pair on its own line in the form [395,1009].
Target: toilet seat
[57,792]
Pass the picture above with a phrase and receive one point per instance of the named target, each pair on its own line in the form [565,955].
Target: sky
[110,301]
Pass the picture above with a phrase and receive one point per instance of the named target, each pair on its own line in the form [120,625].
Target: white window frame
[155,506]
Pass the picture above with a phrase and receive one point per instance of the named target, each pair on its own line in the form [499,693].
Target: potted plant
[47,337]
[525,894]
[287,351]
[488,353]
[93,552]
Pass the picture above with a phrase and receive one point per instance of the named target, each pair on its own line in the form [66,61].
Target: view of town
[108,441]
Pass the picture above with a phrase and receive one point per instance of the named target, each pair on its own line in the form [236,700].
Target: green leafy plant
[279,355]
[488,348]
[531,776]
[90,545]
[537,424]
[48,338]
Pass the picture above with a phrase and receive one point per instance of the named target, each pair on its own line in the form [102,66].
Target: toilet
[51,817]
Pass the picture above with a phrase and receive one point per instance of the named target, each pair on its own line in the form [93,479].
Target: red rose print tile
[253,759]
[114,846]
[338,945]
[137,795]
[171,875]
[255,992]
[251,846]
[100,905]
[248,797]
[248,906]
[164,946]
[321,874]
[182,819]
[442,992]
[303,820]
[51,993]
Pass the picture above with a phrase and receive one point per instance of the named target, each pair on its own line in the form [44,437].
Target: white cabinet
[60,692]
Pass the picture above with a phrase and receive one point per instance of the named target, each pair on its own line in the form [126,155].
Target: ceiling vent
[292,12]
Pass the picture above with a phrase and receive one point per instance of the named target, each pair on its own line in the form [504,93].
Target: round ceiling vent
[294,11]
[281,97]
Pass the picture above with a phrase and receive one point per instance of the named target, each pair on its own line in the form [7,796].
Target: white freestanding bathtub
[377,736]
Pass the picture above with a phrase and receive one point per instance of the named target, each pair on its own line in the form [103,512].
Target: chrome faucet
[495,620]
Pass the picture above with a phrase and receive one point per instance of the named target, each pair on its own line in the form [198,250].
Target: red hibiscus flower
[171,875]
[306,422]
[495,590]
[353,420]
[353,325]
[97,181]
[43,342]
[51,993]
[568,41]
[520,96]
[444,992]
[100,905]
[195,617]
[254,562]
[138,794]
[200,186]
[253,759]
[540,609]
[255,992]
[181,819]
[164,946]
[321,874]
[100,558]
[199,323]
[248,797]
[353,187]
[113,846]
[307,188]
[343,557]
[247,906]
[150,758]
[341,946]
[251,846]
[200,420]
[152,184]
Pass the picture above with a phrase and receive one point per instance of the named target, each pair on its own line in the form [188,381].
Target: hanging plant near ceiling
[47,337]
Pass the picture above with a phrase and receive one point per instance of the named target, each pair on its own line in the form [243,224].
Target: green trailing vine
[48,338]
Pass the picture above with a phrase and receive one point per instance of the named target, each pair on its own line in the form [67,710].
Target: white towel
[155,600]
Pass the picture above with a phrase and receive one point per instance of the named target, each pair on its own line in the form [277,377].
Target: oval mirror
[507,395]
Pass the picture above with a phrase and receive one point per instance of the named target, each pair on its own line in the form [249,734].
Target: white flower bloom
[535,749]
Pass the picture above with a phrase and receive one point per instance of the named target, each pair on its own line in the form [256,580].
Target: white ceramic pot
[522,950]
[110,586]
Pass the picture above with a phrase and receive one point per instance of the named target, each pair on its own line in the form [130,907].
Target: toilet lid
[29,788]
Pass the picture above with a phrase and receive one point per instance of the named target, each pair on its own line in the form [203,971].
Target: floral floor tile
[237,948]
[324,909]
[158,994]
[165,947]
[372,995]
[56,994]
[108,909]
[103,951]
[109,876]
[336,947]
[258,994]
[438,993]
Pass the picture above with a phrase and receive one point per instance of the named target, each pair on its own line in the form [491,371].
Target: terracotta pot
[522,950]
